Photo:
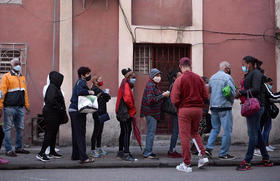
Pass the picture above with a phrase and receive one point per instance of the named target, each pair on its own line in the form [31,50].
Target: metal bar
[54,29]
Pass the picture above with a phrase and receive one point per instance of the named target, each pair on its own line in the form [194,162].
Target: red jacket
[128,99]
[189,90]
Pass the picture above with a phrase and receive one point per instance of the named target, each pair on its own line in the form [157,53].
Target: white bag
[87,104]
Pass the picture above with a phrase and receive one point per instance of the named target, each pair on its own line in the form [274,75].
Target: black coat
[103,98]
[54,109]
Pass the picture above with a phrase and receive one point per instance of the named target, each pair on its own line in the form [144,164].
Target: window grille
[10,1]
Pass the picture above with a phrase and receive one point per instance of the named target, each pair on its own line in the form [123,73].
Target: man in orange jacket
[13,99]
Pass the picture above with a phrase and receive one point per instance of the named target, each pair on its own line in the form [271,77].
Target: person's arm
[128,99]
[27,105]
[152,98]
[82,88]
[3,90]
[175,95]
[270,93]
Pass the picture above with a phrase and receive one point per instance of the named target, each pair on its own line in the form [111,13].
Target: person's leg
[75,153]
[127,133]
[216,125]
[8,125]
[151,130]
[266,130]
[95,131]
[53,139]
[1,136]
[99,137]
[175,132]
[226,121]
[196,115]
[19,126]
[185,134]
[121,138]
[80,126]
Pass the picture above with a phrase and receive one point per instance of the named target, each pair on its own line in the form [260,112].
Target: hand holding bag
[87,104]
[250,106]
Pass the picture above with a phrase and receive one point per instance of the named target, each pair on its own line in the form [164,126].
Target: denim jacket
[217,82]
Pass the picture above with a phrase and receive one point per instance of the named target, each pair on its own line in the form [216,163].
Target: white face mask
[157,79]
[17,68]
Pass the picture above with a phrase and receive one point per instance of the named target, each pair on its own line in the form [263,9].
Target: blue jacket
[217,82]
[80,89]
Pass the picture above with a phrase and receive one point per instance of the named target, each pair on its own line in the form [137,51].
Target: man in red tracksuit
[189,94]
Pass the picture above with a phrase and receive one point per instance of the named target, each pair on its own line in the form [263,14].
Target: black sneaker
[128,157]
[119,155]
[227,157]
[208,153]
[22,151]
[55,155]
[11,154]
[42,157]
[152,156]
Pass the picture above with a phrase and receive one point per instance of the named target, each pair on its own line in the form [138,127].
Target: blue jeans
[219,118]
[175,132]
[255,137]
[13,116]
[266,130]
[151,131]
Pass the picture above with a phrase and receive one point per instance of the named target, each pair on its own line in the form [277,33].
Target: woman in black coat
[54,113]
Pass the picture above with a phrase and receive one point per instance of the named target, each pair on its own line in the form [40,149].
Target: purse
[250,106]
[274,110]
[104,117]
[122,113]
[87,104]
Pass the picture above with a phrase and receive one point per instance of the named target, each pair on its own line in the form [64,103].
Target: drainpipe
[54,29]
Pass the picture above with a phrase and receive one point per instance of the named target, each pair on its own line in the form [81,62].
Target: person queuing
[252,83]
[103,98]
[221,109]
[78,120]
[54,112]
[126,99]
[151,108]
[188,95]
[13,100]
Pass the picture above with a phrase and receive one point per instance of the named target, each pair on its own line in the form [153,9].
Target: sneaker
[264,163]
[95,154]
[22,151]
[119,155]
[269,149]
[55,155]
[48,150]
[208,152]
[257,152]
[173,154]
[202,162]
[11,154]
[152,156]
[227,157]
[184,168]
[101,151]
[128,157]
[42,157]
[244,166]
[89,160]
[272,147]
[2,161]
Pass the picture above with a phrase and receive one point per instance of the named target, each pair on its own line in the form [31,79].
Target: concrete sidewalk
[109,161]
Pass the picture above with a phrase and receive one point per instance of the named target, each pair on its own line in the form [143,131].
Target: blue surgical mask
[17,68]
[269,86]
[244,69]
[132,81]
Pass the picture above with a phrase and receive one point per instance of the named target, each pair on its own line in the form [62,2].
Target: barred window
[10,1]
[142,58]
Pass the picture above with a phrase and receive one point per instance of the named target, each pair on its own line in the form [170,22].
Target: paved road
[142,174]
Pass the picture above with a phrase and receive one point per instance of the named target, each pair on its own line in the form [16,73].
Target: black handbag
[122,113]
[274,110]
[103,117]
[64,118]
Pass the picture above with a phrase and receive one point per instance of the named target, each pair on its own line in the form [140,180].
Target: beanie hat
[185,60]
[127,72]
[154,72]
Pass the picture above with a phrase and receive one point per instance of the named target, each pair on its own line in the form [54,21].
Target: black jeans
[78,124]
[1,135]
[124,138]
[97,132]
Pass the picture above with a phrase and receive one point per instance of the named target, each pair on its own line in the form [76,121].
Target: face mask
[17,68]
[88,78]
[100,83]
[244,69]
[157,79]
[132,81]
[269,86]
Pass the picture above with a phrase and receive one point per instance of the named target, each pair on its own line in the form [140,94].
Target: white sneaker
[257,152]
[202,162]
[184,168]
[269,149]
[272,147]
[47,152]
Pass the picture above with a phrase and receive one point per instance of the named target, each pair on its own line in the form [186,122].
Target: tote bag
[250,106]
[87,104]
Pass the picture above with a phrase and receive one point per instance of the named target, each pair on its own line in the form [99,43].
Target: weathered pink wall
[238,16]
[95,44]
[31,23]
[163,13]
